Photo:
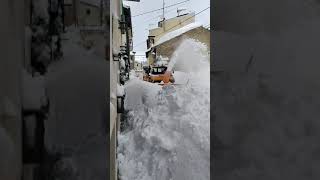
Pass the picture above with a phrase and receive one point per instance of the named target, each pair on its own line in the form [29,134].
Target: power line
[140,43]
[155,17]
[159,8]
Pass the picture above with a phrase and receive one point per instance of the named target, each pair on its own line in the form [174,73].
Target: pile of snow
[120,90]
[168,131]
[139,93]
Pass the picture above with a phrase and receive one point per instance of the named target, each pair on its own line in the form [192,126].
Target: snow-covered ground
[168,132]
[78,112]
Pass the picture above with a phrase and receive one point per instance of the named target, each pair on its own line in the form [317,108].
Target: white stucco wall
[12,55]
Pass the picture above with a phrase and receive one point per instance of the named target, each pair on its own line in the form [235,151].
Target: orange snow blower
[158,74]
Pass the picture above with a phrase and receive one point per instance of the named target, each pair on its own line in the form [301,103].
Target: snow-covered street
[167,133]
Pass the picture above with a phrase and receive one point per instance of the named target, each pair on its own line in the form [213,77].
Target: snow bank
[168,135]
[120,90]
[140,93]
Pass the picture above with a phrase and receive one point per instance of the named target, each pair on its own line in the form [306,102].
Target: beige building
[163,40]
[169,25]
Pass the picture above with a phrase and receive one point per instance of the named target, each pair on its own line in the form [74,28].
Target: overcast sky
[141,24]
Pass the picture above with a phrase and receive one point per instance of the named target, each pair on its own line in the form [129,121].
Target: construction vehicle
[158,74]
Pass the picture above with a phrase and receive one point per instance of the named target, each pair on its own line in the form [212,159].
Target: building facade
[120,59]
[169,25]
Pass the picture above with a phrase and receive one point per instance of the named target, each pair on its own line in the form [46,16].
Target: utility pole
[163,18]
[163,10]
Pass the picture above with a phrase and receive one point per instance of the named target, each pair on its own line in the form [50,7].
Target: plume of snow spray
[190,56]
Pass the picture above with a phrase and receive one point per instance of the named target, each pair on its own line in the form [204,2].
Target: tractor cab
[158,70]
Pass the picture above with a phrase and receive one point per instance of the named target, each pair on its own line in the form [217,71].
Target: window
[88,11]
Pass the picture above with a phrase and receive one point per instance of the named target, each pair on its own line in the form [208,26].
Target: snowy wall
[12,36]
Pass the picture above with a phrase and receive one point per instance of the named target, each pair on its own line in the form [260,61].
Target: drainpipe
[128,46]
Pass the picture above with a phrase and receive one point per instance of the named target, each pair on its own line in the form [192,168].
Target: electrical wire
[140,43]
[156,17]
[159,9]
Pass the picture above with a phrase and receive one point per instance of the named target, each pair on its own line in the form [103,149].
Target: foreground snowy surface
[168,132]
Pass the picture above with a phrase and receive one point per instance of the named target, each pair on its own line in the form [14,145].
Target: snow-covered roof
[126,3]
[177,32]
